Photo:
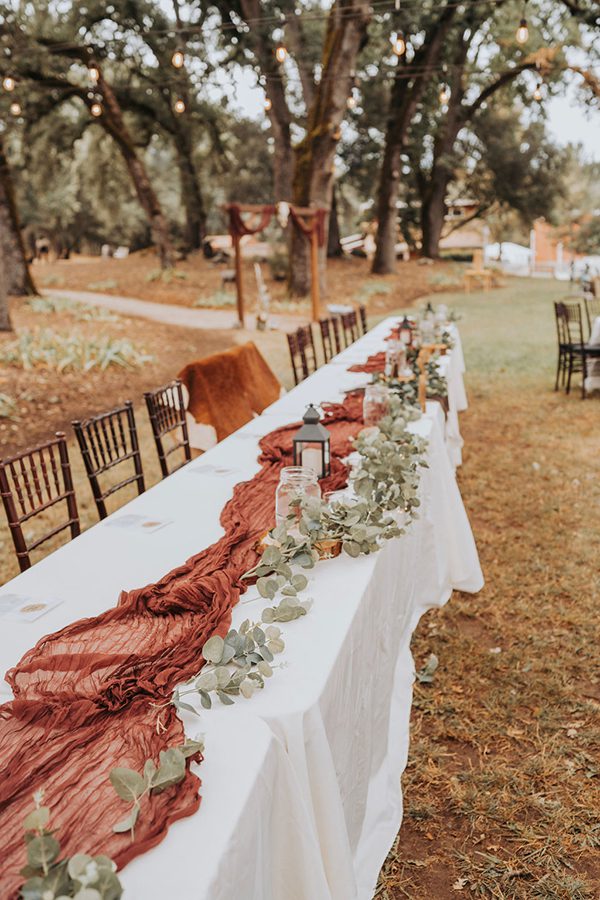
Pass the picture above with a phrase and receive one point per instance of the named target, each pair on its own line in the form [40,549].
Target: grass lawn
[502,790]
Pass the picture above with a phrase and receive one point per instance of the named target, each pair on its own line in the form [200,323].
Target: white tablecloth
[451,366]
[301,784]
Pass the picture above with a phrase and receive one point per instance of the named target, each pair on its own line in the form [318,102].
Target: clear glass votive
[376,403]
[295,483]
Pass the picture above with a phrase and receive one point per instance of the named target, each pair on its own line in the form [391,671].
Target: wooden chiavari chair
[166,410]
[350,327]
[330,337]
[32,482]
[302,352]
[107,441]
[362,318]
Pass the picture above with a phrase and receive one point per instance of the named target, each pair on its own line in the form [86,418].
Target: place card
[210,469]
[21,608]
[139,524]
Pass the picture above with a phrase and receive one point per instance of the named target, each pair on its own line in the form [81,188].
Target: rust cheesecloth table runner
[83,696]
[375,363]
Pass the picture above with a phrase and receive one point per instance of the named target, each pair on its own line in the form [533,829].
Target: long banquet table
[301,789]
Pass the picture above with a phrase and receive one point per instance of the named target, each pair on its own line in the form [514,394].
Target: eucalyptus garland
[80,876]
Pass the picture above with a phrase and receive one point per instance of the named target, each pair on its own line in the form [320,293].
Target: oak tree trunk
[112,120]
[405,96]
[191,195]
[314,155]
[16,275]
[334,244]
[433,210]
[5,323]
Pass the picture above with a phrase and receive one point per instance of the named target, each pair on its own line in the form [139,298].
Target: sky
[569,123]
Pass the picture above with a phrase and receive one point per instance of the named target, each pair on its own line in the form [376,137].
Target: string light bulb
[444,94]
[399,44]
[179,106]
[178,59]
[351,101]
[522,34]
[280,53]
[8,83]
[96,109]
[537,94]
[268,104]
[94,73]
[15,109]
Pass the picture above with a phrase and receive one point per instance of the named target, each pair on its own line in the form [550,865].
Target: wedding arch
[310,221]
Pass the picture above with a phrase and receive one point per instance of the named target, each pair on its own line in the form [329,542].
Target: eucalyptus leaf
[265,669]
[212,650]
[42,851]
[128,823]
[171,769]
[206,681]
[205,699]
[78,864]
[224,698]
[128,784]
[87,893]
[37,819]
[191,748]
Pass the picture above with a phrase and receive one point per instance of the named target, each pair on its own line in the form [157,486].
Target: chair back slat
[350,327]
[166,409]
[303,354]
[362,318]
[106,441]
[569,313]
[330,337]
[33,482]
[592,309]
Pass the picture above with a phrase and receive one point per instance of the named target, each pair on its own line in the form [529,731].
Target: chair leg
[570,372]
[558,370]
[583,375]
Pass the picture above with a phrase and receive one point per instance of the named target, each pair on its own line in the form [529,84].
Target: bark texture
[314,155]
[15,270]
[405,96]
[112,120]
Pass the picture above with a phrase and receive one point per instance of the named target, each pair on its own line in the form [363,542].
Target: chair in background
[224,391]
[576,354]
[107,441]
[330,337]
[32,482]
[562,334]
[166,410]
[362,318]
[349,327]
[302,352]
[592,310]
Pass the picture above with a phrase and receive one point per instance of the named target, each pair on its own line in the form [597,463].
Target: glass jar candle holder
[295,484]
[376,403]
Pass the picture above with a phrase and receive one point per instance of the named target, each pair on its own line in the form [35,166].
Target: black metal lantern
[405,331]
[311,444]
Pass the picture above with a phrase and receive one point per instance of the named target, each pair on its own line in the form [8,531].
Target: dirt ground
[47,400]
[196,279]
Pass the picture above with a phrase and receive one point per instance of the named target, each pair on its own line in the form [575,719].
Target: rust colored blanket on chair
[83,696]
[228,388]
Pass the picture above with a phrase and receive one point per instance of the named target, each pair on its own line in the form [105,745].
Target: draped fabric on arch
[238,227]
[85,697]
[317,223]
